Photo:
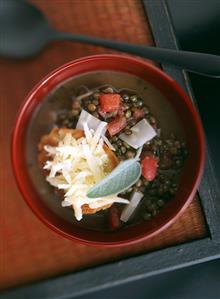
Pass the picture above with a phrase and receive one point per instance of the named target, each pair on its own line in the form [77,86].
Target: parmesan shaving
[142,132]
[92,121]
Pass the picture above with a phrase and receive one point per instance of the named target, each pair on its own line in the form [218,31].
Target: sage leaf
[121,178]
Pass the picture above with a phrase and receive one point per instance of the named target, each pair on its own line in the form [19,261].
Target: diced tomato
[138,113]
[149,167]
[110,102]
[117,125]
[114,221]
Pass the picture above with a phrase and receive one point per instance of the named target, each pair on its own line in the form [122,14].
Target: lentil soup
[140,100]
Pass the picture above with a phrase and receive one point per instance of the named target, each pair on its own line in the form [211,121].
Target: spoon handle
[200,63]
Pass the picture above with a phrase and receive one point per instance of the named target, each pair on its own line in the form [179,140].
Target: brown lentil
[91,107]
[119,151]
[126,145]
[76,104]
[108,90]
[130,189]
[142,189]
[75,112]
[123,149]
[95,114]
[139,183]
[130,154]
[128,132]
[152,120]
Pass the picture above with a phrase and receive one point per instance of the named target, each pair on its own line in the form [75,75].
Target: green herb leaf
[121,178]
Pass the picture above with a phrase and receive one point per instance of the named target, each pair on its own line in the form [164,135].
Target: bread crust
[53,138]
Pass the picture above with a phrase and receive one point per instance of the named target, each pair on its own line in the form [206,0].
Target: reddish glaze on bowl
[192,170]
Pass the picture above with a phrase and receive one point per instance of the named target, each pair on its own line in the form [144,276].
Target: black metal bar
[125,271]
[164,36]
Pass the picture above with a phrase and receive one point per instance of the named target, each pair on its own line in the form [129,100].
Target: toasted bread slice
[53,139]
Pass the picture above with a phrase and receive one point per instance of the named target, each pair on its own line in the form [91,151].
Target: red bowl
[192,171]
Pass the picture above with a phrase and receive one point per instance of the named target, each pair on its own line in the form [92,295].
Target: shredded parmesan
[75,165]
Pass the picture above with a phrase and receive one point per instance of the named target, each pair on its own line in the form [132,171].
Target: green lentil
[148,202]
[96,95]
[115,146]
[147,216]
[146,183]
[133,98]
[140,103]
[114,139]
[154,213]
[160,203]
[152,207]
[125,97]
[128,114]
[95,102]
[119,142]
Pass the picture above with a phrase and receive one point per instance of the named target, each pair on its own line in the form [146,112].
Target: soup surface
[140,100]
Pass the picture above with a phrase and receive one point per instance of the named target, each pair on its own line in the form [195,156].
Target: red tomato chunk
[114,221]
[117,125]
[110,102]
[149,167]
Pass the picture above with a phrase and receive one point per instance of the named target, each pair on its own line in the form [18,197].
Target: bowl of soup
[108,150]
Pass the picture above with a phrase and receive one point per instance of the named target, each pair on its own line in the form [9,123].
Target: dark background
[197,26]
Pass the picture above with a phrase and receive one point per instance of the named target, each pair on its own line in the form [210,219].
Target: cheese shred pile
[76,165]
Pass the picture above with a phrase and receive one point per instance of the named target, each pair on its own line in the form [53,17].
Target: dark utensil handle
[201,63]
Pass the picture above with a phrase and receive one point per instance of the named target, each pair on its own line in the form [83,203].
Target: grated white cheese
[76,165]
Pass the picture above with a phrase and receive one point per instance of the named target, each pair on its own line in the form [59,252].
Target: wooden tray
[30,251]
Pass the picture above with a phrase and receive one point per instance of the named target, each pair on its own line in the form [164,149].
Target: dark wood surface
[30,251]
